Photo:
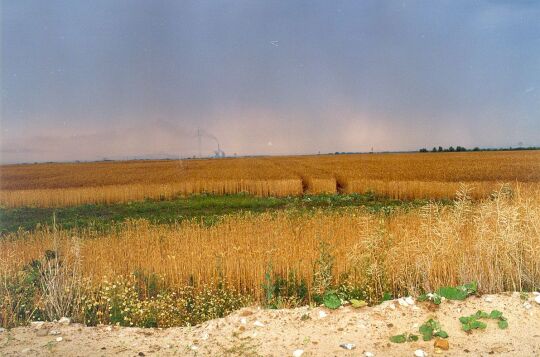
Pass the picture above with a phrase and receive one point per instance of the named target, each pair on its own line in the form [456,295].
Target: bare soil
[260,332]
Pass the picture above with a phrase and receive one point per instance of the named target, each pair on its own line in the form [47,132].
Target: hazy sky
[93,79]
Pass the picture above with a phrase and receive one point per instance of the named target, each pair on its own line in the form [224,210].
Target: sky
[87,80]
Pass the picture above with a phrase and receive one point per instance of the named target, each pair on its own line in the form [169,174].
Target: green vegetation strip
[207,208]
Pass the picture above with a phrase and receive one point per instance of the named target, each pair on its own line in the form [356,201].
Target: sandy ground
[259,332]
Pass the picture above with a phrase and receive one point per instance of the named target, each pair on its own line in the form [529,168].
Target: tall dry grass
[495,242]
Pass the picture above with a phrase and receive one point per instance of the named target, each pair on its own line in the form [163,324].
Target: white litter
[527,305]
[420,353]
[368,354]
[59,339]
[537,299]
[258,324]
[488,299]
[322,314]
[409,300]
[348,346]
[194,348]
[298,353]
[243,320]
[64,320]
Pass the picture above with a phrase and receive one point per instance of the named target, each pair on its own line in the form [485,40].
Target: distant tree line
[461,149]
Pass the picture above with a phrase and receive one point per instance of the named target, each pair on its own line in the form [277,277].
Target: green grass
[207,208]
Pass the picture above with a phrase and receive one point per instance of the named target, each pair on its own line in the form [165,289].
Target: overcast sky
[93,79]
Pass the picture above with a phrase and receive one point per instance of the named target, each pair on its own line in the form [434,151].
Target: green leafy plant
[432,328]
[331,300]
[433,297]
[460,292]
[404,337]
[472,322]
[358,303]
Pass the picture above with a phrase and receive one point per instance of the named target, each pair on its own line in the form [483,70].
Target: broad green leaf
[398,338]
[503,324]
[413,338]
[452,293]
[478,324]
[358,303]
[442,334]
[495,314]
[331,300]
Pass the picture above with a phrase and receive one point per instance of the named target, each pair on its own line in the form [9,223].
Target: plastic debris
[59,339]
[298,353]
[420,353]
[368,354]
[258,323]
[488,299]
[322,314]
[537,299]
[348,346]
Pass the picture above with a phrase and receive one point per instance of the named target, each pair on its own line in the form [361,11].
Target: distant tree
[441,149]
[476,149]
[434,149]
[451,149]
[460,148]
[423,150]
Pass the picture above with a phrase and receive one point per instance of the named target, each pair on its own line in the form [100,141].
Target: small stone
[246,312]
[25,350]
[298,353]
[59,339]
[368,354]
[37,324]
[527,305]
[194,347]
[64,321]
[141,354]
[322,314]
[42,332]
[54,332]
[348,346]
[108,328]
[243,321]
[258,323]
[488,299]
[205,336]
[2,329]
[442,344]
[537,299]
[420,353]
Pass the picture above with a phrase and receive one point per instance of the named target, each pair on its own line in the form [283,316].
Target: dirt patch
[315,331]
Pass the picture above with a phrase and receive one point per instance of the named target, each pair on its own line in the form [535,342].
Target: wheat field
[495,242]
[399,176]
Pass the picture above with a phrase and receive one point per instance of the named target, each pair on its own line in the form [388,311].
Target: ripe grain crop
[495,241]
[399,176]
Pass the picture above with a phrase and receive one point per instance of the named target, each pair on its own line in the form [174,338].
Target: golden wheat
[495,242]
[400,176]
